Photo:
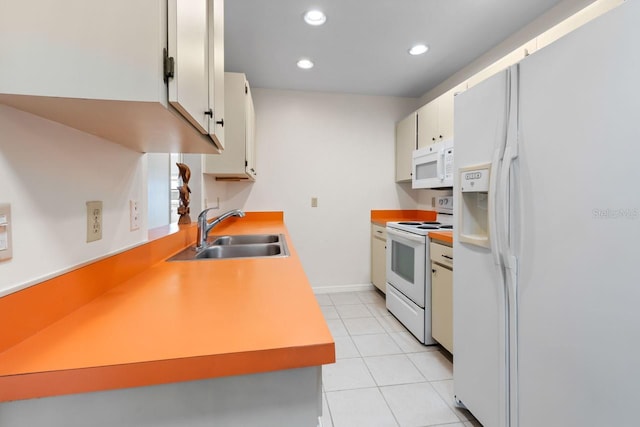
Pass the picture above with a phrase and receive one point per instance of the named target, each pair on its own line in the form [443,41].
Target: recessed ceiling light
[418,49]
[305,64]
[315,17]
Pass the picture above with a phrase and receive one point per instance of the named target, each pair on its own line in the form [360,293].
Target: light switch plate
[6,248]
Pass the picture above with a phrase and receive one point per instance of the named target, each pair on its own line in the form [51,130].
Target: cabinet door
[378,258]
[445,115]
[405,144]
[442,305]
[188,45]
[237,161]
[250,130]
[428,124]
[216,72]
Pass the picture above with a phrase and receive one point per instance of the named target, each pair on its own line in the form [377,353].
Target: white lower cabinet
[379,257]
[442,294]
[237,162]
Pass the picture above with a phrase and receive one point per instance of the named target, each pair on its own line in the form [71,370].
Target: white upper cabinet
[237,162]
[405,144]
[99,66]
[194,28]
[435,119]
[188,45]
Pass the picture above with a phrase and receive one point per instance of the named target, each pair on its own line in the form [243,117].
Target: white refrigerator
[547,248]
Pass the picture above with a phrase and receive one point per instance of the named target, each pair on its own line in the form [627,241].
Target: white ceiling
[362,48]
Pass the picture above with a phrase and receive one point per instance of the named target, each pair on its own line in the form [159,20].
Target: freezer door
[579,279]
[479,312]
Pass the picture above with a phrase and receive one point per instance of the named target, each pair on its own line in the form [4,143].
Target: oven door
[407,263]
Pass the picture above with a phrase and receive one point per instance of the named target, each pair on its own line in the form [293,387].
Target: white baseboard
[343,288]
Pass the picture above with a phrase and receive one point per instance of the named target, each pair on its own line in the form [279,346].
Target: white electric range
[408,295]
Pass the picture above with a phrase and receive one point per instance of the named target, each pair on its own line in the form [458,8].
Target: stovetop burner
[444,222]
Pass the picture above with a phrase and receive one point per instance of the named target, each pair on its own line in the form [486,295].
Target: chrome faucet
[204,228]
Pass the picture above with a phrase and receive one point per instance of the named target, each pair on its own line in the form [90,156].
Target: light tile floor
[383,376]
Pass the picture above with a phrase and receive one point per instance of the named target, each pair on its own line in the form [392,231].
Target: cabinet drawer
[441,254]
[378,231]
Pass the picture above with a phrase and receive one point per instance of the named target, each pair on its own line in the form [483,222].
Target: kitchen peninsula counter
[175,322]
[381,217]
[443,236]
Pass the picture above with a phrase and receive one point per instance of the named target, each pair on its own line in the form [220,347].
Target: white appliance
[547,283]
[444,204]
[408,295]
[432,166]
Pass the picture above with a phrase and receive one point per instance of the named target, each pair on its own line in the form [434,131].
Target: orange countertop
[178,321]
[444,236]
[381,217]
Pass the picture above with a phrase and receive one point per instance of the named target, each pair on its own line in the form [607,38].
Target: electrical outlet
[134,215]
[314,202]
[94,221]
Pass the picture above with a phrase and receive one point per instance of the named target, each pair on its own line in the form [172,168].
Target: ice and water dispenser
[474,205]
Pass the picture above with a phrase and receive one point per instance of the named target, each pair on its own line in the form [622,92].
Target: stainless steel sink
[245,239]
[240,251]
[237,246]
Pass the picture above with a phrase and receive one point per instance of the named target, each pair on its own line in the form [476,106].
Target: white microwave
[432,166]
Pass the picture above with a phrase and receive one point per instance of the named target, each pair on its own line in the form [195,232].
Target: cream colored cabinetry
[142,74]
[433,121]
[442,294]
[406,141]
[237,162]
[379,257]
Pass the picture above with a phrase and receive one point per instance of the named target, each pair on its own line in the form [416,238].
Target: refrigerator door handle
[493,208]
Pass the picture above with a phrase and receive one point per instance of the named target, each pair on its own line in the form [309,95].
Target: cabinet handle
[220,122]
[447,257]
[433,139]
[209,112]
[378,231]
[440,136]
[433,270]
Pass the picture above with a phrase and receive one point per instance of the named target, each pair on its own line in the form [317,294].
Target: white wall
[48,172]
[159,179]
[338,148]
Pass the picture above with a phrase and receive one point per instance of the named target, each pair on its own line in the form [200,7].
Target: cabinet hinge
[168,64]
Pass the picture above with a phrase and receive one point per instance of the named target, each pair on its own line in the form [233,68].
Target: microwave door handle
[440,164]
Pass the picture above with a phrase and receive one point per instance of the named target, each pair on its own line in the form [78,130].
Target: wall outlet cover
[134,215]
[94,221]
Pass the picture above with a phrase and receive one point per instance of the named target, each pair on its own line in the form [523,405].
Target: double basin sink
[237,246]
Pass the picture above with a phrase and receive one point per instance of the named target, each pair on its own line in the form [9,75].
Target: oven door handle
[405,235]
